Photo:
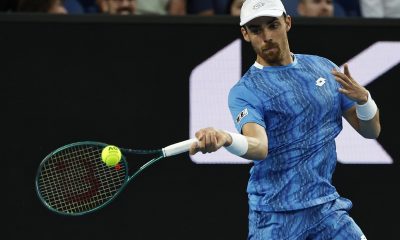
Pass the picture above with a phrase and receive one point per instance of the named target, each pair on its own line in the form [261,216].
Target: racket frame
[125,182]
[167,151]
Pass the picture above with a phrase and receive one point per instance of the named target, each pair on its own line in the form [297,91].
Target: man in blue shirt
[288,109]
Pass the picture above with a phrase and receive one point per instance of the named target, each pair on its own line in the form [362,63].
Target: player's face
[268,36]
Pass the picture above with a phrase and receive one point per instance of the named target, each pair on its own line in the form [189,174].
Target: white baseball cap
[258,8]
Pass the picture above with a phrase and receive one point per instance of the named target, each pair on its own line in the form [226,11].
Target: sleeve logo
[241,115]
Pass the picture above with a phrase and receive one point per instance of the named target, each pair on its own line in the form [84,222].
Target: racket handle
[178,148]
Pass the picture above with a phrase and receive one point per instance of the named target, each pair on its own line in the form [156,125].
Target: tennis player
[288,109]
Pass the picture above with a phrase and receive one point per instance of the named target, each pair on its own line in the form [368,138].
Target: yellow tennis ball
[111,155]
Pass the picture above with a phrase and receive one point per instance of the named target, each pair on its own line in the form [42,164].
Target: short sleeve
[245,107]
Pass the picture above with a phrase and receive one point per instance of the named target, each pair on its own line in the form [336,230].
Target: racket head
[73,180]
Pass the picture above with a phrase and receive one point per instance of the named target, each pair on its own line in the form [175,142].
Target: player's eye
[274,25]
[254,29]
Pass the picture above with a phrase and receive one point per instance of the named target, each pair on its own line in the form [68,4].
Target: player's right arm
[247,112]
[257,141]
[211,139]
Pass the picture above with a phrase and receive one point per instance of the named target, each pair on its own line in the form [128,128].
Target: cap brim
[265,13]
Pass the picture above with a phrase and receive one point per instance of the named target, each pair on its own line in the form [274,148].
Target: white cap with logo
[260,8]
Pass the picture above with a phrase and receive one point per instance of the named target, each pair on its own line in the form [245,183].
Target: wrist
[236,144]
[367,110]
[229,139]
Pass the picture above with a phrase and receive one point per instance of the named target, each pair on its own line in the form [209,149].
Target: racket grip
[178,148]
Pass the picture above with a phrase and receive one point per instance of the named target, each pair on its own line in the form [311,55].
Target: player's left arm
[370,126]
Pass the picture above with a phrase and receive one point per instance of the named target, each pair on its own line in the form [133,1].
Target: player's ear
[288,21]
[245,34]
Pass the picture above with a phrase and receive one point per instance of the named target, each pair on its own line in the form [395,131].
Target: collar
[259,66]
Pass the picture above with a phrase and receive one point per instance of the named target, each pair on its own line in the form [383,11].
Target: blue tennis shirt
[300,107]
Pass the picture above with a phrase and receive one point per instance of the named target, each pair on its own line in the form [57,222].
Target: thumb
[194,148]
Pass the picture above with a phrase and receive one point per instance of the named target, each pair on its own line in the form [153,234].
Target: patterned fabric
[300,107]
[326,221]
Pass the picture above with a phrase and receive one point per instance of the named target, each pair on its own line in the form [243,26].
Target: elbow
[262,154]
[259,155]
[263,151]
[257,148]
[375,135]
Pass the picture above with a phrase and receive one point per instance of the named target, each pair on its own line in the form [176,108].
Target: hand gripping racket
[73,180]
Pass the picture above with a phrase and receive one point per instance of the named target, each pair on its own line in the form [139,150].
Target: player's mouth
[270,49]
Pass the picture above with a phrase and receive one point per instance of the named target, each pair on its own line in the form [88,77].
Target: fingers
[340,75]
[349,86]
[209,141]
[346,70]
[344,78]
[344,91]
[194,148]
[340,80]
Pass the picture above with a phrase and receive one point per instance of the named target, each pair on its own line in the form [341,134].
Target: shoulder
[239,88]
[311,57]
[245,85]
[246,82]
[315,59]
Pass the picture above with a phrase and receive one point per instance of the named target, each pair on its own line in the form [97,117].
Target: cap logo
[258,5]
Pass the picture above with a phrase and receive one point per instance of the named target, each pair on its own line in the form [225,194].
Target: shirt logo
[320,81]
[241,115]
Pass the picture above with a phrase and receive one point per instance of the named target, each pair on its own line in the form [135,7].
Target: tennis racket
[73,180]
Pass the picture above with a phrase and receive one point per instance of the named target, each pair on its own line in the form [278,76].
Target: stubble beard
[272,58]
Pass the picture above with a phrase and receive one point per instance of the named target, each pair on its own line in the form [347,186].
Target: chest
[298,95]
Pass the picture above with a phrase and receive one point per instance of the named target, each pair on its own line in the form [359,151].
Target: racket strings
[75,179]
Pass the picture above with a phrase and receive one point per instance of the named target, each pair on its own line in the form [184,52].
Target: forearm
[368,118]
[257,150]
[252,144]
[252,148]
[370,128]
